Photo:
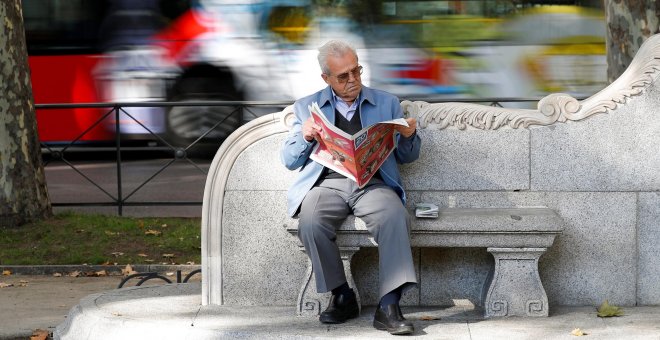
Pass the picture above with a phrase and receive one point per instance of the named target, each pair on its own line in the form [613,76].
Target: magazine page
[358,136]
[357,157]
[335,150]
[373,145]
[320,119]
[376,144]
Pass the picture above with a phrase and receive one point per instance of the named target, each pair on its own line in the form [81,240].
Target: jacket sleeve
[407,149]
[295,150]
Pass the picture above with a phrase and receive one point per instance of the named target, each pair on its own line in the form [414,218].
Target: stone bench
[516,237]
[594,162]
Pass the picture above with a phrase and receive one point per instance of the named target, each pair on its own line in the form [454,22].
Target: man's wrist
[411,136]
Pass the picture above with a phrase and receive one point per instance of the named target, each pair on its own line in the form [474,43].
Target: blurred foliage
[451,31]
[289,22]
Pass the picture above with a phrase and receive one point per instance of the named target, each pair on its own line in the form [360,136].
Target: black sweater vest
[349,126]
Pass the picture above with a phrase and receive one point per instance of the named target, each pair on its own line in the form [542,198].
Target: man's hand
[311,130]
[407,131]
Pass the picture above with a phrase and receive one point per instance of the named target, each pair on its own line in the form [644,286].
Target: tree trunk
[629,24]
[23,192]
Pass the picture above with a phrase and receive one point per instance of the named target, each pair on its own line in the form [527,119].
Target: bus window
[62,27]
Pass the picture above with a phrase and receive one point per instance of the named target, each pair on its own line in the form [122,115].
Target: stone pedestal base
[311,303]
[515,288]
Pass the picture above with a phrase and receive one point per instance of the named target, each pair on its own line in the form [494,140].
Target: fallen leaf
[141,224]
[6,272]
[148,260]
[23,283]
[74,273]
[39,334]
[80,231]
[578,332]
[429,318]
[128,270]
[168,256]
[169,273]
[57,274]
[117,253]
[152,232]
[190,263]
[101,273]
[5,285]
[163,225]
[142,255]
[110,233]
[606,310]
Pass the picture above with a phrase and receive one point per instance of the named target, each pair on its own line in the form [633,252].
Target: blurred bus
[512,49]
[83,51]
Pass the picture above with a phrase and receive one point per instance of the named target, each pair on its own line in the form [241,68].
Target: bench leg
[516,289]
[311,303]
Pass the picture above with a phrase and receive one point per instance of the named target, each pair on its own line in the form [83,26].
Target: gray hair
[335,48]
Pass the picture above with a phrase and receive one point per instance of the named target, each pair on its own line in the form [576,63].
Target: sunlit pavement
[174,312]
[43,301]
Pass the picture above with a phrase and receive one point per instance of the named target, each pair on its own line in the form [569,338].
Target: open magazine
[359,156]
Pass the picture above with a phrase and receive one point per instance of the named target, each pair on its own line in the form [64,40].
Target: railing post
[120,199]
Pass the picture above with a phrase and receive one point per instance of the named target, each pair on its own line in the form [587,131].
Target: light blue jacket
[374,106]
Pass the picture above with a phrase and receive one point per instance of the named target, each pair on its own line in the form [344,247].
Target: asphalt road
[142,181]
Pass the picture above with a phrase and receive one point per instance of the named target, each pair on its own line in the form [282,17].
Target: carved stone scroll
[311,303]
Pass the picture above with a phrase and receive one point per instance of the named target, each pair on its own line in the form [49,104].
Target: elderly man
[322,198]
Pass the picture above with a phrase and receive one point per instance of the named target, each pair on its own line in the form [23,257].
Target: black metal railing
[62,152]
[174,152]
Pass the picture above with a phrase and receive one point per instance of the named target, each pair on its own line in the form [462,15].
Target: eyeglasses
[342,78]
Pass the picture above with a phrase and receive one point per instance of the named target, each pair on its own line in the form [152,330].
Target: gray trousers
[324,209]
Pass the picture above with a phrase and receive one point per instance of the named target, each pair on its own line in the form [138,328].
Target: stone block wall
[596,162]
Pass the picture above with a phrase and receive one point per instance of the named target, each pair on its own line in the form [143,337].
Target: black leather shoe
[391,319]
[341,308]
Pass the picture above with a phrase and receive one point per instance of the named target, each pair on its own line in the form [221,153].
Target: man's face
[344,77]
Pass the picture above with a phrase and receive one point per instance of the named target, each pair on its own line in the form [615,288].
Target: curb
[110,269]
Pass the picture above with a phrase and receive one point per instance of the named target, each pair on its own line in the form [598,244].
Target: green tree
[23,192]
[629,24]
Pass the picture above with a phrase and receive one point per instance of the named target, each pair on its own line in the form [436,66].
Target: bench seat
[517,237]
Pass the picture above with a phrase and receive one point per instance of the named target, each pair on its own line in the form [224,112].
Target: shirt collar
[337,100]
[365,95]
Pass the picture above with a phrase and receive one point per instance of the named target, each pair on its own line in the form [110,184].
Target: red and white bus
[83,51]
[118,51]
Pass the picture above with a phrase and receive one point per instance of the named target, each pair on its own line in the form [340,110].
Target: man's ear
[325,78]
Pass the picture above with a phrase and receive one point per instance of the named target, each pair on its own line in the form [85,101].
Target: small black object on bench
[517,237]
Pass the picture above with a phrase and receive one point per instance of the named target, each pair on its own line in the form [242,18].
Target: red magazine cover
[359,156]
